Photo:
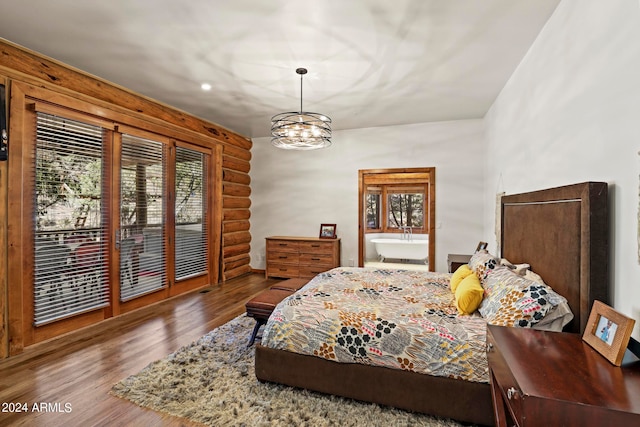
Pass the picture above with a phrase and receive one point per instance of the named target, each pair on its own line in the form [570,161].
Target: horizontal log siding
[236,190]
[231,226]
[234,163]
[23,65]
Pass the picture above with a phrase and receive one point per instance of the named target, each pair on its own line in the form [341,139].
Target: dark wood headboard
[563,234]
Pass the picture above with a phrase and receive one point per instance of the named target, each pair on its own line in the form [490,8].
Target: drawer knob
[512,393]
[489,347]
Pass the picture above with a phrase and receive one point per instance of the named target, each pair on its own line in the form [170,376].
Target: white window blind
[142,217]
[70,238]
[191,246]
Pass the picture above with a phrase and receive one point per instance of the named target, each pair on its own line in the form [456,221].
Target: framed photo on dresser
[608,332]
[327,231]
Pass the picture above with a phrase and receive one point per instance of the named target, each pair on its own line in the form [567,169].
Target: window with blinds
[191,246]
[142,231]
[70,247]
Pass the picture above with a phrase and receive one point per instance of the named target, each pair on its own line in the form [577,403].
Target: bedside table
[543,378]
[456,260]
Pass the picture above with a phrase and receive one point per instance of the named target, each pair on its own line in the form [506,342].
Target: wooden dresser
[301,256]
[555,379]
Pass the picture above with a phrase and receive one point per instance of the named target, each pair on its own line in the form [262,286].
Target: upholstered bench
[262,305]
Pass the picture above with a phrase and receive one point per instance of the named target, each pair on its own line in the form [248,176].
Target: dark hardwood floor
[74,373]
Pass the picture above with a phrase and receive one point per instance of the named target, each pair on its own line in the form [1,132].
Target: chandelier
[302,130]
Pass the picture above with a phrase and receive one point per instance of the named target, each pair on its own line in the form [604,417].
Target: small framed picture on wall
[327,231]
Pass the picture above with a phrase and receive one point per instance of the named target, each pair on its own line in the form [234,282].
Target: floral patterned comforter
[394,318]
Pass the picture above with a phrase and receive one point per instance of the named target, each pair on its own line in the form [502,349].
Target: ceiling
[371,62]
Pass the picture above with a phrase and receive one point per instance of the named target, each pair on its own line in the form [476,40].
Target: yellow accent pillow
[469,294]
[462,272]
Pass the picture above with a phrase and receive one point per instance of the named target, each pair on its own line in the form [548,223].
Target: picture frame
[327,231]
[608,332]
[481,246]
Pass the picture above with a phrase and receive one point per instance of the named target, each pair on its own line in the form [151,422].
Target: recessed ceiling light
[205,86]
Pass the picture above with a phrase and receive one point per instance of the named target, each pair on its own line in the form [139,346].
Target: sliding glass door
[121,220]
[70,238]
[191,228]
[141,236]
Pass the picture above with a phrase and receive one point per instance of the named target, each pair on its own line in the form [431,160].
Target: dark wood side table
[456,260]
[555,379]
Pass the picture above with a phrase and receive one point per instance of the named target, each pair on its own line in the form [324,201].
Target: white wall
[293,192]
[571,113]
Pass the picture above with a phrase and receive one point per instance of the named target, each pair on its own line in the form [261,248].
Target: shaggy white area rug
[212,381]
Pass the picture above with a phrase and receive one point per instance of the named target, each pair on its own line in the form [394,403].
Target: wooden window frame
[384,208]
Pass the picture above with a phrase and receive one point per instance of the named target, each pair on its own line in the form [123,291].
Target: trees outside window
[400,206]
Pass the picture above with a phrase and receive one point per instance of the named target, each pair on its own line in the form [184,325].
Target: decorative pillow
[482,263]
[462,272]
[469,294]
[519,269]
[556,319]
[512,300]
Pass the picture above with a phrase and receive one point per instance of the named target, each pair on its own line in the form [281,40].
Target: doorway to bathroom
[396,211]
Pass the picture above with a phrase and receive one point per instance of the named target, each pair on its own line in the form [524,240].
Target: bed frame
[561,232]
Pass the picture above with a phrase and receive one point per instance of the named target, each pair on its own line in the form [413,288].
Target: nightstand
[543,378]
[456,260]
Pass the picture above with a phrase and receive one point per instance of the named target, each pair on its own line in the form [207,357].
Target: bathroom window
[399,205]
[405,207]
[373,208]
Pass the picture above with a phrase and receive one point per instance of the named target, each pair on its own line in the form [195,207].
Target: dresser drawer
[505,382]
[317,247]
[281,257]
[312,270]
[283,270]
[283,246]
[317,259]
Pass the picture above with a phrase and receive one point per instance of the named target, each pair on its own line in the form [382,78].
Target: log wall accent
[18,64]
[236,190]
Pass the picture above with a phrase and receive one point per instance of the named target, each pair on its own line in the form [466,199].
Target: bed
[562,233]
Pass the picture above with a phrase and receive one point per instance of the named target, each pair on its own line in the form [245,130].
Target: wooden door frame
[400,175]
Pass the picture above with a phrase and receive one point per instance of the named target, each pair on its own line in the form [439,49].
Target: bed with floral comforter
[398,319]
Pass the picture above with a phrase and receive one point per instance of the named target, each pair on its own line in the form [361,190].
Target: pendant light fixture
[301,130]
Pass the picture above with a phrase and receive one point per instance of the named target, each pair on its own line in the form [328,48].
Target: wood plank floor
[79,369]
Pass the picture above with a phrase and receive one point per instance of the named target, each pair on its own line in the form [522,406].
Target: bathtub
[416,249]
